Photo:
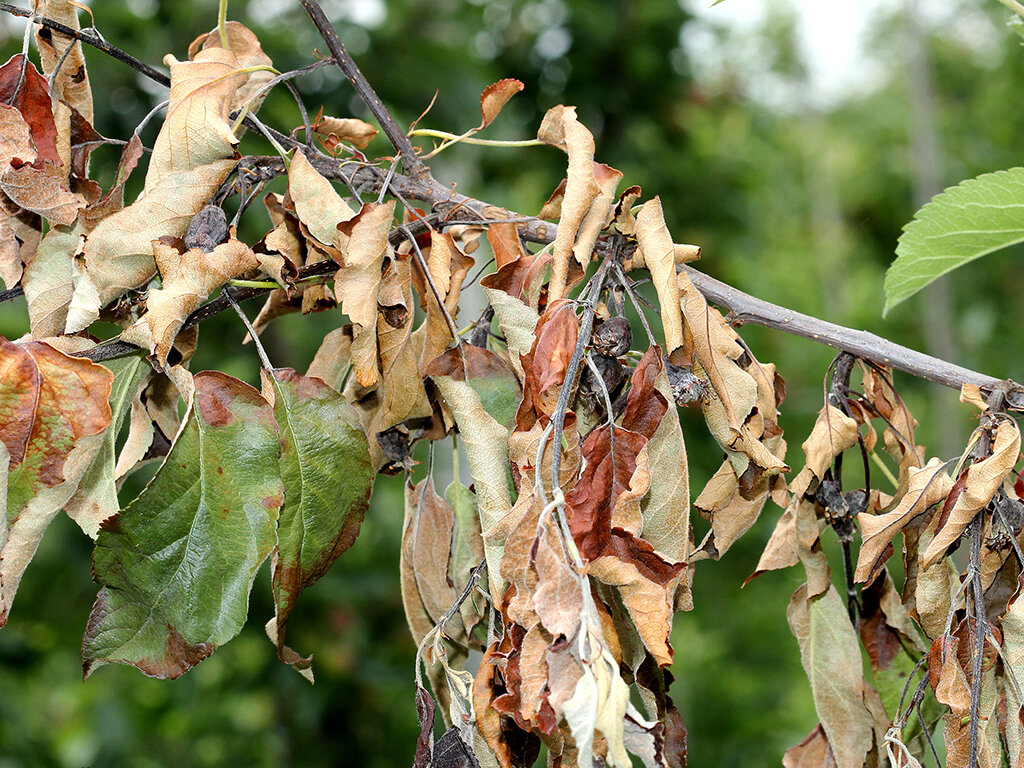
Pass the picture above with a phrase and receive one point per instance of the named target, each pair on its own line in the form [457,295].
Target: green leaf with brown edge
[328,477]
[177,564]
[493,381]
[53,413]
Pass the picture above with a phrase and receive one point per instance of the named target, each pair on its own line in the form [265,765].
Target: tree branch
[413,165]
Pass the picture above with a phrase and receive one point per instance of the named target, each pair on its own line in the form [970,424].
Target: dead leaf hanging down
[833,433]
[927,486]
[193,153]
[358,281]
[980,483]
[547,362]
[58,409]
[831,658]
[71,81]
[319,207]
[188,279]
[949,672]
[29,94]
[655,244]
[448,267]
[560,128]
[1012,626]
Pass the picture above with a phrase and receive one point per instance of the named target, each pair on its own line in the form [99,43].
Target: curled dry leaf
[983,478]
[188,278]
[926,486]
[562,129]
[494,97]
[351,130]
[247,51]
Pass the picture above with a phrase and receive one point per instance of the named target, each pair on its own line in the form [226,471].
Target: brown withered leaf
[546,364]
[1012,655]
[331,361]
[812,752]
[794,536]
[655,244]
[599,215]
[188,278]
[983,478]
[38,187]
[71,82]
[22,87]
[926,486]
[448,267]
[562,129]
[357,283]
[433,527]
[11,263]
[494,97]
[416,614]
[182,174]
[48,280]
[351,130]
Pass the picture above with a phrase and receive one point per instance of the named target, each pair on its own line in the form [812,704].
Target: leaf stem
[248,326]
[222,24]
[466,138]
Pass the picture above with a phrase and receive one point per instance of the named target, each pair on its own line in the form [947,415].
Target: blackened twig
[413,165]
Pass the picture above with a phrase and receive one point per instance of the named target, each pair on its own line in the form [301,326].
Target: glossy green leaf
[976,217]
[325,465]
[177,564]
[96,497]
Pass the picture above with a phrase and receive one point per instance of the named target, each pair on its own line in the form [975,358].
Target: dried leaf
[348,129]
[562,129]
[982,480]
[926,486]
[655,245]
[494,97]
[182,174]
[188,279]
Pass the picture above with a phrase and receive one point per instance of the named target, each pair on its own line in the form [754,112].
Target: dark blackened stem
[413,165]
[89,39]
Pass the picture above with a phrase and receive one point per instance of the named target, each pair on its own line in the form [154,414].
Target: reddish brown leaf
[30,95]
[494,97]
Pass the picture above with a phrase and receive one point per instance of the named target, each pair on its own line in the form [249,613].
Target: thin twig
[94,40]
[248,326]
[413,165]
[564,395]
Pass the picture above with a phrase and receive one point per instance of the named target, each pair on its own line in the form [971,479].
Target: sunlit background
[791,140]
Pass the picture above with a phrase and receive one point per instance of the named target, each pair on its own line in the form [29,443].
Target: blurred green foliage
[797,202]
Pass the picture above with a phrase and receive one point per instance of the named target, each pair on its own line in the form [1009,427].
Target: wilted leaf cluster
[564,560]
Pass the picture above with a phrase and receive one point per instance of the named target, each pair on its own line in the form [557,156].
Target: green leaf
[177,564]
[328,476]
[96,497]
[976,217]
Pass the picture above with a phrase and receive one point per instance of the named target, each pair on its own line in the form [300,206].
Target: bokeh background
[791,143]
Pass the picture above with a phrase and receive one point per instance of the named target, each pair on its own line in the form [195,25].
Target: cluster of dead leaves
[934,619]
[564,559]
